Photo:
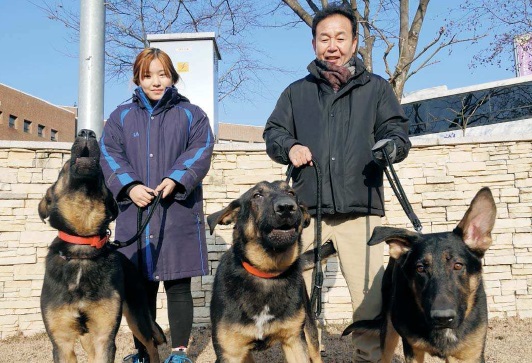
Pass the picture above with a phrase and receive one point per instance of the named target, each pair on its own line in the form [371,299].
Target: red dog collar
[256,272]
[94,241]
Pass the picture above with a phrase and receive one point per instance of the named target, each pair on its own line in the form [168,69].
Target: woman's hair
[144,59]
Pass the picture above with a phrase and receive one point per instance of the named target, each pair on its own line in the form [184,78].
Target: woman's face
[155,81]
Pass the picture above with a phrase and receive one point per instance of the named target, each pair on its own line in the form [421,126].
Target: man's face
[334,41]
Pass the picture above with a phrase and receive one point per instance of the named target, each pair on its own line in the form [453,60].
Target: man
[336,115]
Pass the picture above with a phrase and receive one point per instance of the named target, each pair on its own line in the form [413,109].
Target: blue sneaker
[135,358]
[178,357]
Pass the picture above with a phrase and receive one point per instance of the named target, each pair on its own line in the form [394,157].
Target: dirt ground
[508,342]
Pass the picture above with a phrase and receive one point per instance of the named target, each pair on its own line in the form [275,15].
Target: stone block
[28,272]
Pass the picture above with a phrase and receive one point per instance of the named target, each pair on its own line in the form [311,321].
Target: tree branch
[302,13]
[313,6]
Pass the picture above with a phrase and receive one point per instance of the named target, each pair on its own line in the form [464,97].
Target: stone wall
[440,178]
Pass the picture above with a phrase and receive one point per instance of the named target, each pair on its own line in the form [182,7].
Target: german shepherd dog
[87,286]
[259,296]
[433,295]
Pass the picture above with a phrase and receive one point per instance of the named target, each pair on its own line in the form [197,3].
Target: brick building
[27,118]
[234,133]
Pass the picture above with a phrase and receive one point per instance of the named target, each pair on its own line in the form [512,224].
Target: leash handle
[140,227]
[316,294]
[400,193]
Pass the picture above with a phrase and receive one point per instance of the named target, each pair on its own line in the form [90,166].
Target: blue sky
[37,58]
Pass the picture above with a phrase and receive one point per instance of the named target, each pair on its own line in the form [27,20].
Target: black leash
[140,227]
[400,193]
[316,295]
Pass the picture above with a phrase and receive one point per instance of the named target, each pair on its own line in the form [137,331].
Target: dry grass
[507,343]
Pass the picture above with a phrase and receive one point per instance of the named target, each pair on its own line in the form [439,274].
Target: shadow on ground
[508,342]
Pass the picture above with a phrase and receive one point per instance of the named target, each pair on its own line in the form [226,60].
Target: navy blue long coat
[142,143]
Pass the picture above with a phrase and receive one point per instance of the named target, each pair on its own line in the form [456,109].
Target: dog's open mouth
[85,161]
[85,157]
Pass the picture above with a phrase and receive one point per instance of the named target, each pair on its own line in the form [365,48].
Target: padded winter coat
[142,143]
[339,129]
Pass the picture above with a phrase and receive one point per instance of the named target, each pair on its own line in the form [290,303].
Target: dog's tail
[308,258]
[158,334]
[371,327]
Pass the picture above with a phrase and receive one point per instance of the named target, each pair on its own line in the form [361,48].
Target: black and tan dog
[433,295]
[87,286]
[259,296]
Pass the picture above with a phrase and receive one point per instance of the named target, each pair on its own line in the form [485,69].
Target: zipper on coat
[198,228]
[147,253]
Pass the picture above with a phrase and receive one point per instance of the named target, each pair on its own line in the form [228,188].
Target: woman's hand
[167,186]
[141,195]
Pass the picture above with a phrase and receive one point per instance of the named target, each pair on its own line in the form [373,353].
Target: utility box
[195,57]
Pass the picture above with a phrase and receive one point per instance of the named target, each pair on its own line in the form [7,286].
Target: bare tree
[468,110]
[388,22]
[128,22]
[501,22]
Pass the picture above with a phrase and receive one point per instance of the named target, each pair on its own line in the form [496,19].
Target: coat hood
[171,97]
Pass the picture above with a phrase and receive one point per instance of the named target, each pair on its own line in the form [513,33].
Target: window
[40,131]
[12,121]
[475,108]
[53,135]
[27,126]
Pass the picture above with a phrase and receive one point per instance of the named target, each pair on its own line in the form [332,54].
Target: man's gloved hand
[378,153]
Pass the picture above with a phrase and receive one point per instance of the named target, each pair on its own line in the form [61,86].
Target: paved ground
[508,342]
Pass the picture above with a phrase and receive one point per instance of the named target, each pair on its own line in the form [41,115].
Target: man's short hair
[337,9]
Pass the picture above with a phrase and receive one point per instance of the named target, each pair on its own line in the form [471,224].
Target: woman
[161,143]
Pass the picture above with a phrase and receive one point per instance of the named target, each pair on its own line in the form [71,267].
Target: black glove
[378,153]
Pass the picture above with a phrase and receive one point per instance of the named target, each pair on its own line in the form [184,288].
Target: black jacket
[339,129]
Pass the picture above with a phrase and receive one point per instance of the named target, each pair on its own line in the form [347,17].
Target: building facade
[236,134]
[27,118]
[501,107]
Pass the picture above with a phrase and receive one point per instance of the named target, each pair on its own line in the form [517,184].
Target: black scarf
[335,75]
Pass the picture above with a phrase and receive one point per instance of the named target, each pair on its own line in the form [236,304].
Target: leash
[316,294]
[400,193]
[141,226]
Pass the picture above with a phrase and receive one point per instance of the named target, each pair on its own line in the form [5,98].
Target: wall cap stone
[417,141]
[35,145]
[423,141]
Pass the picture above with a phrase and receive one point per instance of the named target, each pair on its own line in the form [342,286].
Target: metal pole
[91,66]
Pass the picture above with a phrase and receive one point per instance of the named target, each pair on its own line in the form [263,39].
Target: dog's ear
[306,215]
[400,240]
[44,205]
[224,216]
[111,206]
[476,225]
